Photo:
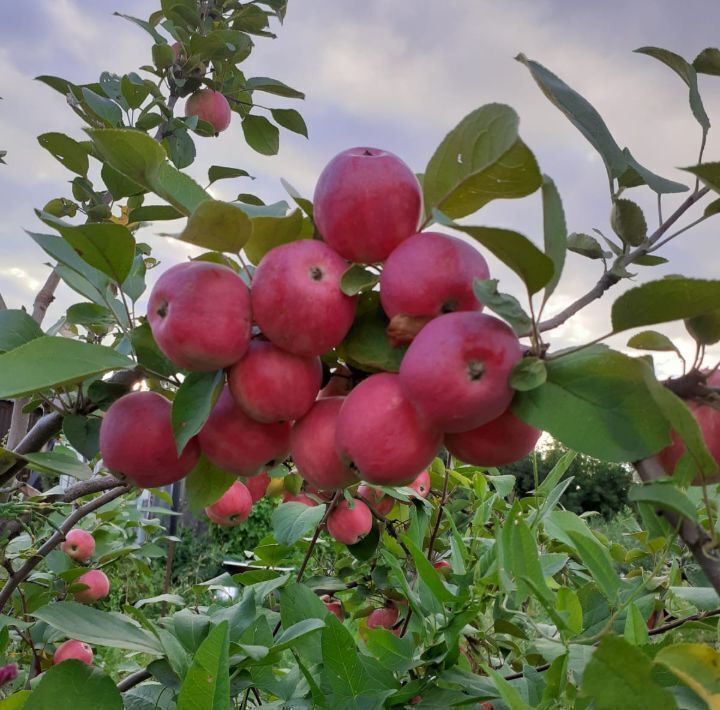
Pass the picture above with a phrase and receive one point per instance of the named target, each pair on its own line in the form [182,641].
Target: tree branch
[693,535]
[608,279]
[134,679]
[55,539]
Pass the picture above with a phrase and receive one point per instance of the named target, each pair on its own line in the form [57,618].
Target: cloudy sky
[397,76]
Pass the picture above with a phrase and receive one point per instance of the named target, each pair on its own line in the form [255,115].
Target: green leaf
[528,374]
[598,562]
[17,700]
[705,328]
[687,73]
[52,362]
[367,346]
[269,232]
[580,113]
[586,245]
[219,226]
[73,684]
[664,301]
[513,249]
[68,151]
[205,485]
[17,328]
[192,404]
[628,222]
[83,433]
[105,109]
[302,202]
[347,677]
[272,86]
[357,279]
[697,665]
[429,575]
[298,602]
[508,693]
[649,260]
[261,135]
[207,683]
[396,654]
[134,92]
[619,676]
[290,521]
[107,247]
[148,353]
[100,628]
[220,172]
[636,175]
[152,213]
[149,696]
[708,62]
[707,173]
[704,598]
[568,606]
[636,631]
[554,230]
[596,401]
[503,304]
[480,160]
[666,496]
[292,634]
[55,462]
[144,161]
[651,340]
[289,118]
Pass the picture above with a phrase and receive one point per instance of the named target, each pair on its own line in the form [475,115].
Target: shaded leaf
[219,226]
[503,304]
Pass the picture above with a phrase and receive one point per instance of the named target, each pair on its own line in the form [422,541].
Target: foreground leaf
[17,328]
[207,683]
[48,362]
[192,404]
[218,226]
[72,684]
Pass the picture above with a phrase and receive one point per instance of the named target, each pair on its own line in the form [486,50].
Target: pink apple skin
[708,420]
[210,106]
[233,508]
[349,525]
[381,435]
[442,566]
[199,313]
[367,201]
[421,485]
[98,586]
[299,498]
[456,372]
[79,545]
[136,439]
[384,618]
[500,442]
[257,485]
[430,274]
[73,649]
[296,298]
[238,444]
[333,606]
[273,385]
[312,447]
[376,499]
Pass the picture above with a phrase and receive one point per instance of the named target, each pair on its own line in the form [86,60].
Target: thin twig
[133,679]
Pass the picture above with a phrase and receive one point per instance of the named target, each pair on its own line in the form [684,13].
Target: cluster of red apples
[452,387]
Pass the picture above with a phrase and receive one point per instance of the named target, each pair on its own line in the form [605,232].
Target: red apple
[210,106]
[381,436]
[333,606]
[421,485]
[97,583]
[442,566]
[136,439]
[376,499]
[233,508]
[456,372]
[708,419]
[384,618]
[199,313]
[367,201]
[79,545]
[73,649]
[500,442]
[257,485]
[312,447]
[238,444]
[430,274]
[273,385]
[349,525]
[299,498]
[296,298]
